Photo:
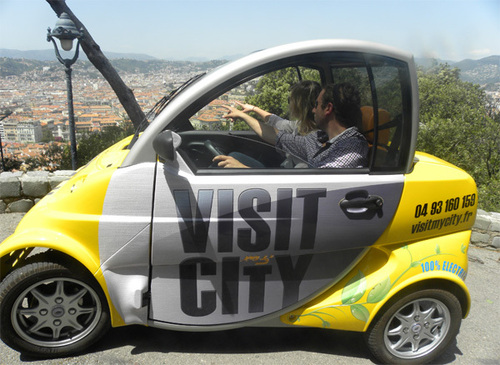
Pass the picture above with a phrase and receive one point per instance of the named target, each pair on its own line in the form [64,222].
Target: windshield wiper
[159,106]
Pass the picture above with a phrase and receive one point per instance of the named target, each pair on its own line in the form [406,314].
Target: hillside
[485,72]
[18,67]
[49,55]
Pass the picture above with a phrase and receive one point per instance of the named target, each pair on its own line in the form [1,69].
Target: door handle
[359,202]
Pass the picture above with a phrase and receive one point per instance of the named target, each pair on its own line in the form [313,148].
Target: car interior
[382,82]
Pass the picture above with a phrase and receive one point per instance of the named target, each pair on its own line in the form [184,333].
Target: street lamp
[66,31]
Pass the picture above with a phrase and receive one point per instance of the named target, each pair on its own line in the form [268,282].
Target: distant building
[29,132]
[60,132]
[22,132]
[10,134]
[84,126]
[88,117]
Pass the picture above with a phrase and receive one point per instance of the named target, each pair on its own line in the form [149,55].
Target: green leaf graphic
[438,249]
[360,312]
[415,263]
[354,289]
[379,291]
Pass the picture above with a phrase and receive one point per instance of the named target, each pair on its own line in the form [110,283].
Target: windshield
[159,106]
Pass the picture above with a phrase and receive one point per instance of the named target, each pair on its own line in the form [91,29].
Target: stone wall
[20,191]
[486,231]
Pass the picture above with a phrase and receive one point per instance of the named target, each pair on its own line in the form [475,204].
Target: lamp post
[66,31]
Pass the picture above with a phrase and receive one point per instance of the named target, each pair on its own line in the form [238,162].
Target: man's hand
[229,162]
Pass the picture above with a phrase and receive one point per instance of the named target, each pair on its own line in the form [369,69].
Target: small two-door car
[150,232]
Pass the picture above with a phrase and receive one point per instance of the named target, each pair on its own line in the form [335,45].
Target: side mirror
[166,143]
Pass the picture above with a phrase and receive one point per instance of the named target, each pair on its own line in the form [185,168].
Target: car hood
[81,197]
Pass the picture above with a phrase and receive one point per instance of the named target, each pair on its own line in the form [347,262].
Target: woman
[302,100]
[301,103]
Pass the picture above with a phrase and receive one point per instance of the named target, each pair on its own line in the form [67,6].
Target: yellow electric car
[150,232]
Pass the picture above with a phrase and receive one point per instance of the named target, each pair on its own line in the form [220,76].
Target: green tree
[47,135]
[455,126]
[91,144]
[58,156]
[273,89]
[11,164]
[358,77]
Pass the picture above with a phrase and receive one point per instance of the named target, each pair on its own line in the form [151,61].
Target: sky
[450,30]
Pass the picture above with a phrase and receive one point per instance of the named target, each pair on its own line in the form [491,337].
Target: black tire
[48,310]
[415,328]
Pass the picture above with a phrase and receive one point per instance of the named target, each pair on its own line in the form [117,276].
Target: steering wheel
[213,148]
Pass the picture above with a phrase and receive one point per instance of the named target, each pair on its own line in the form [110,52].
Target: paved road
[477,343]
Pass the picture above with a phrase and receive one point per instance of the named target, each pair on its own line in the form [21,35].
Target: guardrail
[19,191]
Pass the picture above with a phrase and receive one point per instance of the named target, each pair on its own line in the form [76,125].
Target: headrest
[368,124]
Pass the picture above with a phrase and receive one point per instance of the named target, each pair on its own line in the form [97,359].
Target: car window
[381,86]
[212,133]
[269,92]
[386,107]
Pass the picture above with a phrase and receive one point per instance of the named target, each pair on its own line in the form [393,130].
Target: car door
[228,248]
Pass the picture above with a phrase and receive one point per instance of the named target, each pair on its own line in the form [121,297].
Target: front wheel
[416,328]
[48,310]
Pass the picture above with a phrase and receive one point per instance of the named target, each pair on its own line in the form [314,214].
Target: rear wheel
[49,310]
[416,328]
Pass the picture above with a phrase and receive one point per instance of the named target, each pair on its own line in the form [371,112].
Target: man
[337,144]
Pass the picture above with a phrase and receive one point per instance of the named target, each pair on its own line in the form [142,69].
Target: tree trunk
[99,60]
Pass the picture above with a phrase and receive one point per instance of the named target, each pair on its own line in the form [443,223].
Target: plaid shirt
[347,150]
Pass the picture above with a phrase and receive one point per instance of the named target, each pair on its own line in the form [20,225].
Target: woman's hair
[303,97]
[346,103]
